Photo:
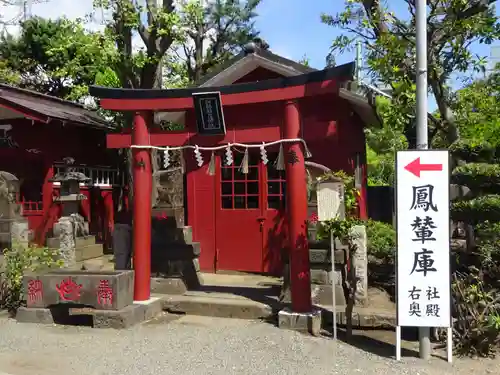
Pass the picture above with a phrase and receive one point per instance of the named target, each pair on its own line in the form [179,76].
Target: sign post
[209,113]
[330,200]
[423,242]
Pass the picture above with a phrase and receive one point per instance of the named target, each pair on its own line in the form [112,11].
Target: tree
[165,28]
[383,143]
[453,26]
[55,57]
[477,110]
[214,31]
[181,40]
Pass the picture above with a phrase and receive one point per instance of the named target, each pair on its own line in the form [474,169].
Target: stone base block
[168,285]
[323,295]
[302,322]
[89,252]
[34,315]
[128,316]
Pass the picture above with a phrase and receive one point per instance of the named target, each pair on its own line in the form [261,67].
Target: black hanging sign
[209,115]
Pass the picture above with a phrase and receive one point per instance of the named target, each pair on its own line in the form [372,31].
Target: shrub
[18,261]
[482,208]
[477,313]
[479,177]
[381,240]
[474,151]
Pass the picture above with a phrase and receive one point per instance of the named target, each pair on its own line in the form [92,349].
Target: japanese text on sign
[69,290]
[35,291]
[423,257]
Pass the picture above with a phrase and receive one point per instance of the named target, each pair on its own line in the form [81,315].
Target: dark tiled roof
[266,54]
[50,108]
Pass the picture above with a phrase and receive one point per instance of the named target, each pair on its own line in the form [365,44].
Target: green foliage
[17,262]
[55,57]
[477,327]
[488,249]
[383,143]
[479,177]
[214,32]
[481,208]
[474,151]
[477,111]
[389,41]
[381,240]
[477,311]
[341,229]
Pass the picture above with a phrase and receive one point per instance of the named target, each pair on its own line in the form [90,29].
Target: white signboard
[330,200]
[423,225]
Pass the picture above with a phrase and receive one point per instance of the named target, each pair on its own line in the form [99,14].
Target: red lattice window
[276,186]
[239,190]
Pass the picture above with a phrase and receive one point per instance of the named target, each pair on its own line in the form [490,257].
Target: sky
[291,27]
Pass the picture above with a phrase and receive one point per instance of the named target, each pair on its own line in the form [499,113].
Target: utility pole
[26,10]
[359,61]
[422,133]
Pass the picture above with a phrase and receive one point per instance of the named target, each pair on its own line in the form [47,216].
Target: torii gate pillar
[297,212]
[141,159]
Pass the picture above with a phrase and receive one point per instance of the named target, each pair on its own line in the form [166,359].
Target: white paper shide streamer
[229,155]
[198,156]
[263,154]
[279,163]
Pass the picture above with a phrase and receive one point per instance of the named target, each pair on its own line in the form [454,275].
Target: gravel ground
[196,345]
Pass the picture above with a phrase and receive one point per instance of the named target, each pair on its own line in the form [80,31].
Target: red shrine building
[36,133]
[244,221]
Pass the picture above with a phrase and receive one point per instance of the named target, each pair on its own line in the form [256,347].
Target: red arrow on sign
[416,167]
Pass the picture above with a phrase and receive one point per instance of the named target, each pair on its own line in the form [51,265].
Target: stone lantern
[70,181]
[71,225]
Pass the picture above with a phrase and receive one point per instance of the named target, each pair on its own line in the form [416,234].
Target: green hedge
[478,177]
[381,240]
[474,151]
[480,209]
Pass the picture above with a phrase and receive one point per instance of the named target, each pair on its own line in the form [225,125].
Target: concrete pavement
[194,345]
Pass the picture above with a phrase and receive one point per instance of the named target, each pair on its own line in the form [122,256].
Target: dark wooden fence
[381,205]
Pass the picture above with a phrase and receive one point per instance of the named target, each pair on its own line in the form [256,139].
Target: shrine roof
[341,72]
[45,108]
[259,56]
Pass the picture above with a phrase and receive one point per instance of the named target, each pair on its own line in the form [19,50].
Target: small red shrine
[245,219]
[36,132]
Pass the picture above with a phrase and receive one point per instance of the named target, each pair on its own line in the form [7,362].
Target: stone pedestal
[361,263]
[174,256]
[106,297]
[20,232]
[64,230]
[302,322]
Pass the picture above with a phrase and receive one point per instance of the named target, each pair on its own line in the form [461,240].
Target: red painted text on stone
[35,291]
[69,290]
[104,293]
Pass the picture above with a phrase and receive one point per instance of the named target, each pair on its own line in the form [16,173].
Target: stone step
[322,256]
[104,263]
[175,251]
[362,317]
[181,235]
[217,305]
[54,242]
[89,252]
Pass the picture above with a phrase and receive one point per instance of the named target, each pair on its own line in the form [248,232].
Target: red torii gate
[287,90]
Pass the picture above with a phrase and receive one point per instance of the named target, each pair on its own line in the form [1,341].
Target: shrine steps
[228,296]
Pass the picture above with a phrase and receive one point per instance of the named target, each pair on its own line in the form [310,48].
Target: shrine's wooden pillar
[141,208]
[296,190]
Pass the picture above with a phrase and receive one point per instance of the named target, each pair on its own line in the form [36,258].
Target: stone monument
[71,226]
[13,227]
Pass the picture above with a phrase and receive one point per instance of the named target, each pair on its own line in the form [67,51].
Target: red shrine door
[249,211]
